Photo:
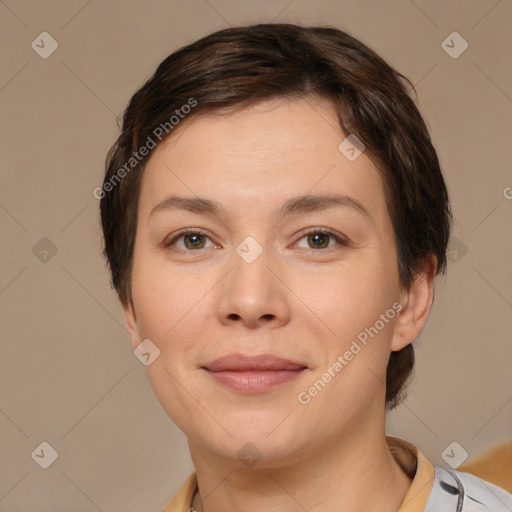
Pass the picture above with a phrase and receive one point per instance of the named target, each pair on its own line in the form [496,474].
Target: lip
[253,374]
[241,362]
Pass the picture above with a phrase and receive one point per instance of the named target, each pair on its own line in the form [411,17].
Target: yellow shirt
[410,459]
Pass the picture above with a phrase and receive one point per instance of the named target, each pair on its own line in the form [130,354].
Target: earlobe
[417,304]
[130,319]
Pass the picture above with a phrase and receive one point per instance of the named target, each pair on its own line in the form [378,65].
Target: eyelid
[338,237]
[186,231]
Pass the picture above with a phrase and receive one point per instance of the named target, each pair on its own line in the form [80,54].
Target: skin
[296,300]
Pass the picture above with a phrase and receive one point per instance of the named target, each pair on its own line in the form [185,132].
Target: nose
[252,295]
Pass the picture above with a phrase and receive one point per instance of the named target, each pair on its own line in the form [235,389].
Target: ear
[416,306]
[130,319]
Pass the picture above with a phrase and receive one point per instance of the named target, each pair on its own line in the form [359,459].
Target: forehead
[258,157]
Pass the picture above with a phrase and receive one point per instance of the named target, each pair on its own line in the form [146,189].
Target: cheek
[170,306]
[347,299]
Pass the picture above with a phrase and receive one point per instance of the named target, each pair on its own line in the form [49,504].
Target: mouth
[253,374]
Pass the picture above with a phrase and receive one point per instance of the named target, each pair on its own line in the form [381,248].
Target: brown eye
[322,239]
[192,241]
[319,240]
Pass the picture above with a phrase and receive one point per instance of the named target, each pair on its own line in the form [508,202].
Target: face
[283,248]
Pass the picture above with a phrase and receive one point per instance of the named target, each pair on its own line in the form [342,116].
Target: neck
[356,473]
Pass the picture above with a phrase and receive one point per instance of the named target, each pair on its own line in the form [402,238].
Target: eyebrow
[296,205]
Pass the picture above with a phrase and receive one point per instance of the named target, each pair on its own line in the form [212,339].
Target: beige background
[68,375]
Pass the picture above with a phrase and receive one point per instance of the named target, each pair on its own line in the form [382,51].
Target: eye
[192,240]
[196,239]
[319,238]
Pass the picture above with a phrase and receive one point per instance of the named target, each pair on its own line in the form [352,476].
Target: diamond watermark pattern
[454,455]
[45,455]
[249,250]
[44,250]
[351,147]
[456,249]
[146,352]
[454,45]
[44,45]
[249,454]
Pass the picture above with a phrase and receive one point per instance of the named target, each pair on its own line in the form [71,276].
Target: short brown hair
[238,66]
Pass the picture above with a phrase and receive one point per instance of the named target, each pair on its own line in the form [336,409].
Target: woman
[274,217]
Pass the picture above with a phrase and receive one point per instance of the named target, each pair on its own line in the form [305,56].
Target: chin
[257,452]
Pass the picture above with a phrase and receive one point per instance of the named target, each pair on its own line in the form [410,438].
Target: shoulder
[182,499]
[458,491]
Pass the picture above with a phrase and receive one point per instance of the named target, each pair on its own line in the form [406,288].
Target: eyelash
[338,238]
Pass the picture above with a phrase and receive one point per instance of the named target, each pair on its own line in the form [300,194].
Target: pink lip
[253,374]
